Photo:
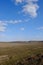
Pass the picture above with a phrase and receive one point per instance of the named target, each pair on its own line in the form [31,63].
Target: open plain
[11,53]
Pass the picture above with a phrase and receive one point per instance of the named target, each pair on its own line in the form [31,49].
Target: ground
[20,51]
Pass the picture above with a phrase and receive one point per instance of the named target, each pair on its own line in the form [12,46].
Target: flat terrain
[20,50]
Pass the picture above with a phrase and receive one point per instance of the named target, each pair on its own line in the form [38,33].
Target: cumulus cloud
[2,26]
[30,7]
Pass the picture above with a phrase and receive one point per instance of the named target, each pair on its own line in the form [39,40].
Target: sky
[21,20]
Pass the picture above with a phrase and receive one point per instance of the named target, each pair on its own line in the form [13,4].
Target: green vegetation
[22,54]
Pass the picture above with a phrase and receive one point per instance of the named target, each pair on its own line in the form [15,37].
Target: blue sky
[21,20]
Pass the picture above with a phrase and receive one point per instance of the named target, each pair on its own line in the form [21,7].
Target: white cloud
[22,29]
[15,21]
[19,1]
[27,1]
[30,1]
[2,26]
[30,7]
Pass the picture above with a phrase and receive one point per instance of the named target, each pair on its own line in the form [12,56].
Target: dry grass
[19,51]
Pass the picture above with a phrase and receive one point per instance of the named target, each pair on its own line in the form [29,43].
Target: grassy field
[12,53]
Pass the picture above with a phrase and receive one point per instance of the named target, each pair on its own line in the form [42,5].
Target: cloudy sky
[21,20]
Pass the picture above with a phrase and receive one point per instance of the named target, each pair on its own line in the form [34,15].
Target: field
[24,53]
